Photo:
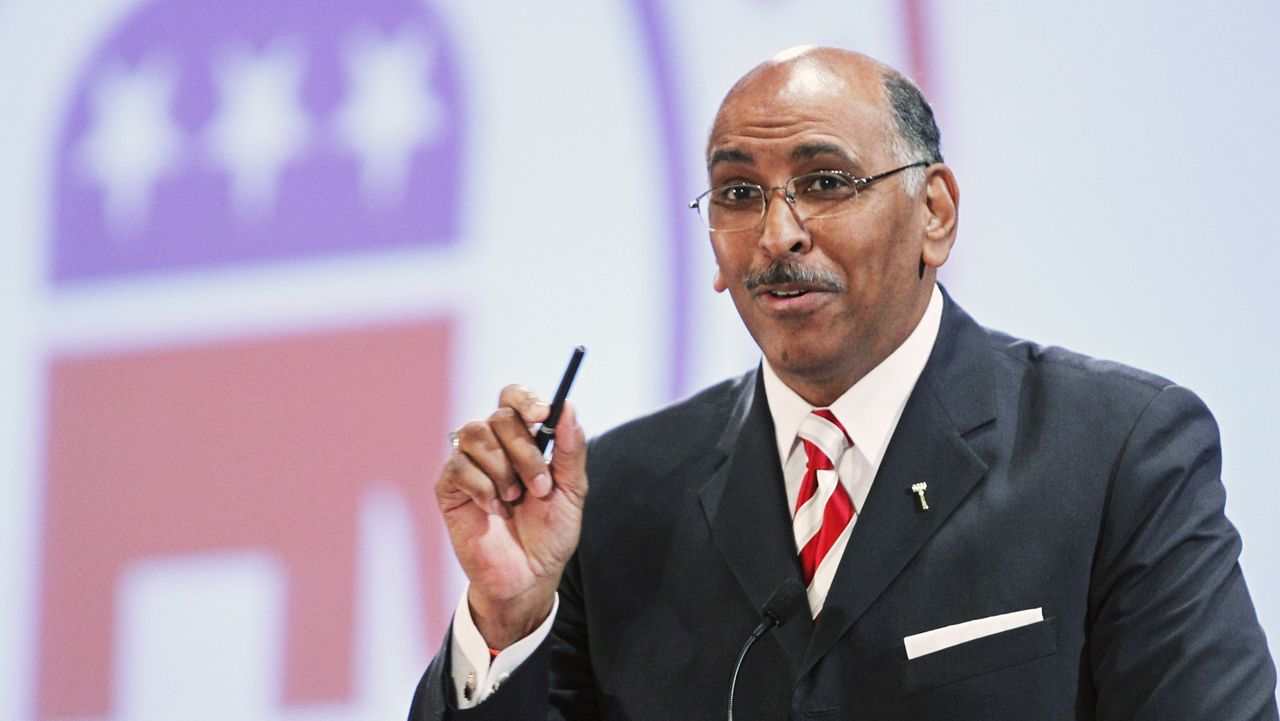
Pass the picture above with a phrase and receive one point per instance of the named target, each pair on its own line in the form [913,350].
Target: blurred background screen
[257,257]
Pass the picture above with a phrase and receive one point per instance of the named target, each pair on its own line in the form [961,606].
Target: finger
[568,456]
[462,481]
[479,441]
[521,451]
[531,407]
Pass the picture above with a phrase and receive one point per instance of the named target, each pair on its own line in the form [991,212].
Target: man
[985,528]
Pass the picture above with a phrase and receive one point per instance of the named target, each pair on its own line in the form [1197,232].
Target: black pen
[547,431]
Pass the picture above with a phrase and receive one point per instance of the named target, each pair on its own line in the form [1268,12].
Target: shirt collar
[869,410]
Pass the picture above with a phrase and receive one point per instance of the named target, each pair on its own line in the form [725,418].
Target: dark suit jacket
[1082,487]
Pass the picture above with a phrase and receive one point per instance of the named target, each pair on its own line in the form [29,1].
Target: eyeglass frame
[765,193]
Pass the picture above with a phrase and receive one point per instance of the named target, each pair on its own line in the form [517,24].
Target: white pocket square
[939,638]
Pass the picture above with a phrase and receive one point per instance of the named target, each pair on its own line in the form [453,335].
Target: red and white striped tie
[823,508]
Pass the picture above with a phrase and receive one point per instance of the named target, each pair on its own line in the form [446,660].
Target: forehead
[799,110]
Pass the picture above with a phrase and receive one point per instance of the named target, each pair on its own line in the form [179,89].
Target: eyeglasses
[741,206]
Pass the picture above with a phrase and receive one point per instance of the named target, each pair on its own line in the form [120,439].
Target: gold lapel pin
[918,489]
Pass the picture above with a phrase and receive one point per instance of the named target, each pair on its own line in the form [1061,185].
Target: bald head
[809,69]
[842,79]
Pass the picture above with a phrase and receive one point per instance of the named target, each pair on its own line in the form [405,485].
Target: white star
[132,141]
[390,109]
[260,124]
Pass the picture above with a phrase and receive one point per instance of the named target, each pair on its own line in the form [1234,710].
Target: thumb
[569,454]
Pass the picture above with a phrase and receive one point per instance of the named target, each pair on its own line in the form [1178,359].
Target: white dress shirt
[869,412]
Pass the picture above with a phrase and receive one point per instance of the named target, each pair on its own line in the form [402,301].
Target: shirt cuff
[474,676]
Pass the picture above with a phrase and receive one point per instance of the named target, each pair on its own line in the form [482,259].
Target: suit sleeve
[574,692]
[523,696]
[1174,634]
[532,692]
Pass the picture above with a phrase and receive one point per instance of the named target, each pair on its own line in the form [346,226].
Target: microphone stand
[783,603]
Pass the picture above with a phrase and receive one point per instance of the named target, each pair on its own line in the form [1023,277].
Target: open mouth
[793,298]
[787,293]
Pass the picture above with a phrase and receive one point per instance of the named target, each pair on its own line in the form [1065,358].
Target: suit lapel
[746,509]
[953,397]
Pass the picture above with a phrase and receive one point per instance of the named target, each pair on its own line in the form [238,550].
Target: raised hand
[513,518]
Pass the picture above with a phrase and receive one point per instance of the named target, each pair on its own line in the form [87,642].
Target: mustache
[782,272]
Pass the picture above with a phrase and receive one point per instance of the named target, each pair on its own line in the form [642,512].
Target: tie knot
[821,429]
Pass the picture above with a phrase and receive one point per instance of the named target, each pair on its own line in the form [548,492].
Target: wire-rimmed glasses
[821,194]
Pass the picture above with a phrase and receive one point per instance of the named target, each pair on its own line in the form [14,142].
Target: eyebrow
[813,150]
[729,155]
[807,151]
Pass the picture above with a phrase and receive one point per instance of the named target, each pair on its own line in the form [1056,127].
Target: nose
[782,232]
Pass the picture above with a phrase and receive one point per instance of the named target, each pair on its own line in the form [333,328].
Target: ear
[718,281]
[942,209]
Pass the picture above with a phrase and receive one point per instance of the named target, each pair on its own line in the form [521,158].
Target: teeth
[786,293]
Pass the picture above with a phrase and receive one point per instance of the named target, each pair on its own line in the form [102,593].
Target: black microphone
[783,603]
